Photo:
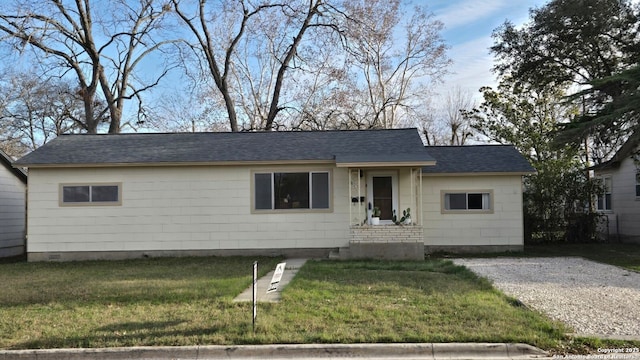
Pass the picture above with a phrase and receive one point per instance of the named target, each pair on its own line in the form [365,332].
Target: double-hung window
[604,198]
[467,201]
[291,190]
[90,194]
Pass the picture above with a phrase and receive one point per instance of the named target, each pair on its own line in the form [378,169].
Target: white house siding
[409,188]
[12,213]
[500,230]
[624,217]
[173,209]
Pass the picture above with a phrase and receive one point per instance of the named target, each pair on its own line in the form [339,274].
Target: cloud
[465,12]
[471,67]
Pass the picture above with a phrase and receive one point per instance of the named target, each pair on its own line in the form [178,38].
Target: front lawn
[188,301]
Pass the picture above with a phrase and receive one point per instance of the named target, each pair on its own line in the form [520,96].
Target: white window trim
[273,210]
[394,192]
[62,203]
[490,210]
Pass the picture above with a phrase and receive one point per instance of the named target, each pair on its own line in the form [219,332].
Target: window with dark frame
[291,190]
[78,194]
[464,201]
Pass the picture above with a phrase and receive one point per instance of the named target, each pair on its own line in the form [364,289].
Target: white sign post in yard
[255,294]
[277,275]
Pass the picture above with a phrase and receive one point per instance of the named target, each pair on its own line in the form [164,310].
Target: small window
[638,183]
[291,190]
[263,192]
[76,194]
[320,190]
[467,201]
[604,199]
[90,194]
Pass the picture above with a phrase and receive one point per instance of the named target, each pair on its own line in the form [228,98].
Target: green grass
[623,255]
[369,301]
[168,301]
[188,301]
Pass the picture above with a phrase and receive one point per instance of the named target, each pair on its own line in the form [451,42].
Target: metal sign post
[255,294]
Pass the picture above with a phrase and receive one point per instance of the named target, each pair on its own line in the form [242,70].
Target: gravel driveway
[593,298]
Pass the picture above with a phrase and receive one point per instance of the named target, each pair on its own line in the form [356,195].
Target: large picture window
[291,190]
[472,201]
[102,194]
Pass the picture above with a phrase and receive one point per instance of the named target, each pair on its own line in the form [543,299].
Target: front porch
[392,190]
[396,242]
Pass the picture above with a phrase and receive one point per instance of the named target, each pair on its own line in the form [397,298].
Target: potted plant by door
[375,216]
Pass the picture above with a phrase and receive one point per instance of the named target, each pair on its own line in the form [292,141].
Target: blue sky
[468,28]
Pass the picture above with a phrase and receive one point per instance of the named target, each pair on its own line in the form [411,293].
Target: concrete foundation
[122,255]
[471,249]
[387,251]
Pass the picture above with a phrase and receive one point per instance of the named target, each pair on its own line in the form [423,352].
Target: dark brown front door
[383,196]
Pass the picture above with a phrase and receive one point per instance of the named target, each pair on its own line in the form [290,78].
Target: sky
[468,27]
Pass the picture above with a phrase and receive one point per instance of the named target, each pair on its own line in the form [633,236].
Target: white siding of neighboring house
[12,213]
[624,217]
[502,229]
[177,209]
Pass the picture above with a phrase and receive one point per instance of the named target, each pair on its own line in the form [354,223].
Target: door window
[383,196]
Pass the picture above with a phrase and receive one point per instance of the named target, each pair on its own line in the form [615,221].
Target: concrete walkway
[290,271]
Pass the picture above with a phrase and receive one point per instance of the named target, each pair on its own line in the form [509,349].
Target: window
[102,194]
[480,201]
[604,199]
[291,190]
[637,182]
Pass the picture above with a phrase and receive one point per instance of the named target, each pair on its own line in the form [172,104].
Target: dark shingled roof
[477,159]
[350,146]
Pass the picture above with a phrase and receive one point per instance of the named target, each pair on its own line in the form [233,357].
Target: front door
[382,189]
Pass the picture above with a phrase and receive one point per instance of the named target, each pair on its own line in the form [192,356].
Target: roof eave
[379,164]
[487,173]
[179,164]
[10,165]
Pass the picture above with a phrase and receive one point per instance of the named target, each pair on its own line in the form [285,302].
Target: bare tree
[249,49]
[396,72]
[433,130]
[36,110]
[378,76]
[188,111]
[445,123]
[101,46]
[457,101]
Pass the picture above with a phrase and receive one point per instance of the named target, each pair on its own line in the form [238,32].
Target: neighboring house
[620,199]
[13,192]
[292,193]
